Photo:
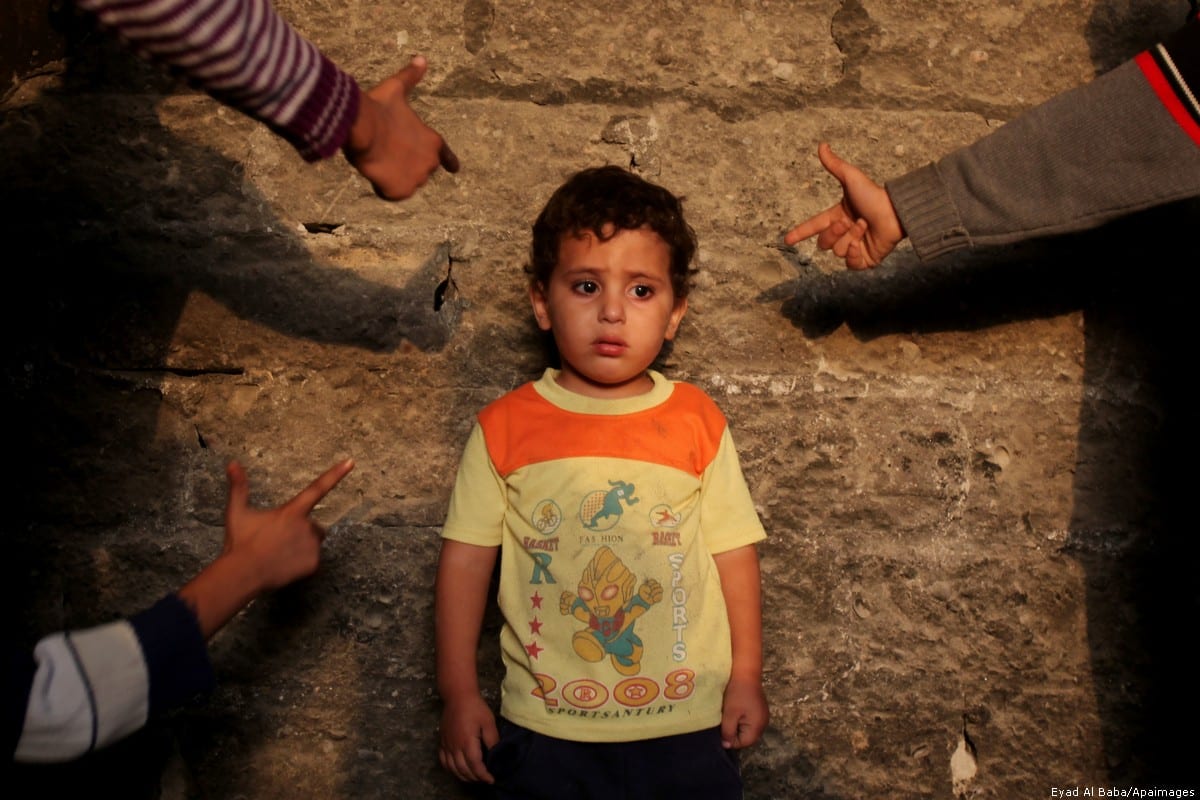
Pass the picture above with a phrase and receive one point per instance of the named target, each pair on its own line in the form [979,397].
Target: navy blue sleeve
[18,670]
[175,651]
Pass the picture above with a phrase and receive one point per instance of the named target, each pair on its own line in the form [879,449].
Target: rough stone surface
[977,581]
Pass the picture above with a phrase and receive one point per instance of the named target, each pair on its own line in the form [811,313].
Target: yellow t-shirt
[607,513]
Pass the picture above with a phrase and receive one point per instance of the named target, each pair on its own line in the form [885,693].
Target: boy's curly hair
[605,200]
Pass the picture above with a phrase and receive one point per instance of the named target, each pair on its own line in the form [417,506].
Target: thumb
[490,733]
[239,491]
[729,729]
[830,161]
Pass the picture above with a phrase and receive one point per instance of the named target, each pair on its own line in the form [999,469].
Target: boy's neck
[574,382]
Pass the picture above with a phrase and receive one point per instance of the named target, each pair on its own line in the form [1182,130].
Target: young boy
[629,580]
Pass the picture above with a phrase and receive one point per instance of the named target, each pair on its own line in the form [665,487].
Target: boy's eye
[642,291]
[587,287]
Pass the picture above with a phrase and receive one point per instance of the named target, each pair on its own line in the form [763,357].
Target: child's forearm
[464,573]
[220,590]
[468,725]
[740,584]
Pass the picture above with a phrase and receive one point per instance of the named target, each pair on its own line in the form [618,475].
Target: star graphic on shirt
[536,600]
[533,649]
[535,627]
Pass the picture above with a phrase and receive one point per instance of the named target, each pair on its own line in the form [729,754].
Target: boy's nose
[613,307]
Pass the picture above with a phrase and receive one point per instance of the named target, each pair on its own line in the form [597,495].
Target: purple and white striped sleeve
[248,57]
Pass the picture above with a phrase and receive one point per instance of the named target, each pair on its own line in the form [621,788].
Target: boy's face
[610,307]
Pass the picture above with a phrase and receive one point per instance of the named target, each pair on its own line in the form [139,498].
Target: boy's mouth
[609,346]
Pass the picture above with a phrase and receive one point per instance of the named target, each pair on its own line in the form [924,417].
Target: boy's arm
[468,725]
[744,711]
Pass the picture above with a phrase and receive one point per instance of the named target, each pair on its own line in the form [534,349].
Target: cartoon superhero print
[609,605]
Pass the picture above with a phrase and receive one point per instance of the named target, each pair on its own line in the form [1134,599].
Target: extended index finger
[308,498]
[813,225]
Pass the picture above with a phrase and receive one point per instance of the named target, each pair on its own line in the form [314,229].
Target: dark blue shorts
[532,766]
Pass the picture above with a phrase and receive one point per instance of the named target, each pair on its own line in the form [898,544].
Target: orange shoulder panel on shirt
[523,428]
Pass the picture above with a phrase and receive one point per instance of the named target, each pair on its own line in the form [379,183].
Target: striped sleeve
[90,688]
[247,56]
[1173,70]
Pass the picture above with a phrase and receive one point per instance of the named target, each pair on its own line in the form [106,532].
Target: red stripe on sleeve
[1166,94]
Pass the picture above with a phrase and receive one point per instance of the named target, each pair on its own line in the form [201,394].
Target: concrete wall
[966,469]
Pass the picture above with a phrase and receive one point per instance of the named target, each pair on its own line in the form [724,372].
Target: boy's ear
[676,317]
[541,309]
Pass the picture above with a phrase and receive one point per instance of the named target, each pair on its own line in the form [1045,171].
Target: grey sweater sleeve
[1087,156]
